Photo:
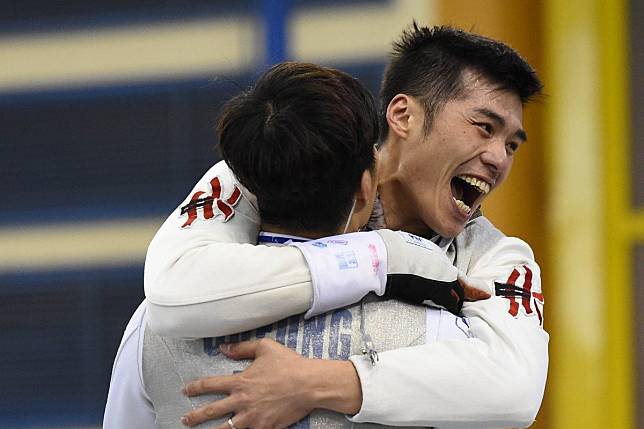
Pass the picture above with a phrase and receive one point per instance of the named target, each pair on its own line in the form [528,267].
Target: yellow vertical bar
[577,378]
[619,228]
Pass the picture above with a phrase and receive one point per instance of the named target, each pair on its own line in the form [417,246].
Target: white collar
[271,238]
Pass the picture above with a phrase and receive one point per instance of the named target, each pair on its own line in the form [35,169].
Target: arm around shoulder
[205,277]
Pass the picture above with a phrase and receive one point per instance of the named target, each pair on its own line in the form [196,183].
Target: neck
[397,200]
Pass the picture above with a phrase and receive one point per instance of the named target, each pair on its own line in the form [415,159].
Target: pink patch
[375,261]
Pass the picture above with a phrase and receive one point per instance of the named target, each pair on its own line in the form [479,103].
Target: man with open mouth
[452,106]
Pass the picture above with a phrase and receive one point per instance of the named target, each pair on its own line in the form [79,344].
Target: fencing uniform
[150,370]
[200,282]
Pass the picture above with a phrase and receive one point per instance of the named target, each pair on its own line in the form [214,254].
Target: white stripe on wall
[141,53]
[75,245]
[130,53]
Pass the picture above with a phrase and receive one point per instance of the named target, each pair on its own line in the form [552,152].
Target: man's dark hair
[300,140]
[429,64]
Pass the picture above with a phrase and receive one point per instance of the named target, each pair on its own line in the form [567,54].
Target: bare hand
[269,394]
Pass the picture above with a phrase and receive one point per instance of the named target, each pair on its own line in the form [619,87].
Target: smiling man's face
[467,153]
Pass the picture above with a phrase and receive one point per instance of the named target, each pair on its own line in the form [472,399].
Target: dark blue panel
[60,332]
[29,16]
[112,152]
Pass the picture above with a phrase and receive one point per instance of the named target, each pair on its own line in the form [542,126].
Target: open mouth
[467,191]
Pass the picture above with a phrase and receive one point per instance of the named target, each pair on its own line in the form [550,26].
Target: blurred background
[107,112]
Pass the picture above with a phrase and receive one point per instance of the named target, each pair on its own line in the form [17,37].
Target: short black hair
[300,140]
[429,63]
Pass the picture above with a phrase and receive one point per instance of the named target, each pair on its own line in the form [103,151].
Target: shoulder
[480,230]
[220,184]
[509,265]
[482,243]
[478,238]
[218,209]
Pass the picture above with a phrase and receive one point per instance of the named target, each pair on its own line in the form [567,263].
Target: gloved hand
[393,264]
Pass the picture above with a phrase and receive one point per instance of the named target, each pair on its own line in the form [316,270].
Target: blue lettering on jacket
[293,327]
[316,334]
[281,331]
[313,339]
[340,319]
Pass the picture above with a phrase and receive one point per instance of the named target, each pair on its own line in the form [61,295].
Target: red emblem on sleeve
[520,286]
[211,205]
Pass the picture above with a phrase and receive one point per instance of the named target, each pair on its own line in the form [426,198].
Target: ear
[398,114]
[365,197]
[367,191]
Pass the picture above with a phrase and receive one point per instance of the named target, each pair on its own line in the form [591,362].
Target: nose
[495,156]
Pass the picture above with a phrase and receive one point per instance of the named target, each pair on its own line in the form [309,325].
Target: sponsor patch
[346,260]
[336,241]
[375,260]
[418,241]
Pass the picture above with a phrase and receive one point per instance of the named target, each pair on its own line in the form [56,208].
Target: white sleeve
[128,405]
[201,282]
[494,379]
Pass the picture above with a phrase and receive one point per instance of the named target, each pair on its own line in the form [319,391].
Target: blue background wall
[122,150]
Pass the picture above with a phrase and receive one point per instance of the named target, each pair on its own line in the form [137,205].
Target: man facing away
[451,108]
[303,140]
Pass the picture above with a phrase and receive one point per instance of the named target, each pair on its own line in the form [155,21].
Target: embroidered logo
[211,205]
[531,301]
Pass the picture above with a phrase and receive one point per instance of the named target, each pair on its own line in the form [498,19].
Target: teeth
[482,186]
[461,205]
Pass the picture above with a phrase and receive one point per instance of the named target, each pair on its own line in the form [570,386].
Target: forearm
[209,279]
[227,316]
[479,382]
[194,299]
[499,374]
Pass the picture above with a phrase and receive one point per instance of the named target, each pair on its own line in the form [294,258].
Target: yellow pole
[621,223]
[577,376]
[591,224]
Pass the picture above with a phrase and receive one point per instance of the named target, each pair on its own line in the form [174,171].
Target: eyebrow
[520,133]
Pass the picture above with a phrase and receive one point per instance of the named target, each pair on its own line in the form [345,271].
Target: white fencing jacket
[201,281]
[150,370]
[168,363]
